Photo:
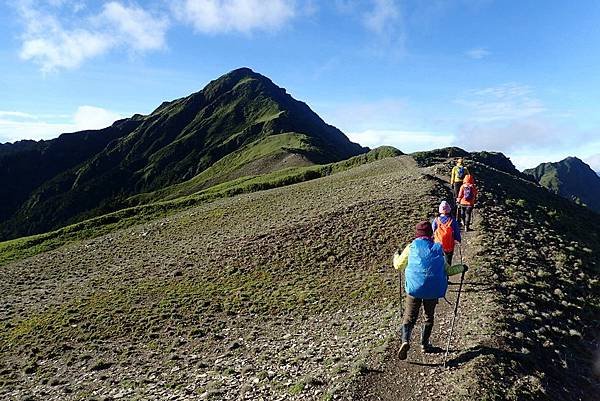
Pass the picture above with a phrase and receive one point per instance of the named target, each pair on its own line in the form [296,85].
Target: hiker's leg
[411,310]
[468,214]
[455,191]
[429,307]
[411,313]
[449,256]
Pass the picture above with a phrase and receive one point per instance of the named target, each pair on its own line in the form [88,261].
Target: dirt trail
[422,376]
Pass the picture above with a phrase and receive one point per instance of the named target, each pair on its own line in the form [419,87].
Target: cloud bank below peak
[16,125]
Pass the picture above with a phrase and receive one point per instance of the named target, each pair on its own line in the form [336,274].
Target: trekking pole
[462,277]
[401,294]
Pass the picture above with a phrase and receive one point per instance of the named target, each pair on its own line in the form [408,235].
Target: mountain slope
[175,143]
[287,294]
[570,178]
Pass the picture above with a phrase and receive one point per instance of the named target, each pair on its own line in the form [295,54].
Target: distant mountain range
[240,124]
[570,178]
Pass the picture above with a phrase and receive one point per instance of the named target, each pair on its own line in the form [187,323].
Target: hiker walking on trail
[459,172]
[426,273]
[467,196]
[446,231]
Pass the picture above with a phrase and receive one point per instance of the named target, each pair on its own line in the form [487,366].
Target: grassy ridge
[226,167]
[29,246]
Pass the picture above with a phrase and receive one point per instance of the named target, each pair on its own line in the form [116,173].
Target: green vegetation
[268,150]
[241,124]
[571,178]
[28,246]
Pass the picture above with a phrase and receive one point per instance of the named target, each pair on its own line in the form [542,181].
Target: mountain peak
[571,178]
[240,124]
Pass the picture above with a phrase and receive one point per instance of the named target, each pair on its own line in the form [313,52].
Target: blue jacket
[425,272]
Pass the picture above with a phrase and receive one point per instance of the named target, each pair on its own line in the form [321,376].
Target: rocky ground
[288,294]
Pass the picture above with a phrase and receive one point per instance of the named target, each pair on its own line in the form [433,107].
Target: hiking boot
[427,348]
[403,353]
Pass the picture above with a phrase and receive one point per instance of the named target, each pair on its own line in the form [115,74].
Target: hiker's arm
[456,269]
[460,194]
[401,260]
[452,176]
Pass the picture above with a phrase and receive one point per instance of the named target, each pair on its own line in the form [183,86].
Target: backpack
[444,234]
[461,172]
[468,193]
[425,274]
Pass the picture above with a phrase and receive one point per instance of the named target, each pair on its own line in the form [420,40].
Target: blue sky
[519,77]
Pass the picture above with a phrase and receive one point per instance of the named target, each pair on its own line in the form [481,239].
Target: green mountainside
[239,125]
[571,178]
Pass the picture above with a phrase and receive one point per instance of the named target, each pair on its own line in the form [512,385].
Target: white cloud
[511,119]
[407,141]
[15,114]
[478,53]
[594,162]
[512,135]
[136,27]
[385,20]
[49,42]
[383,17]
[379,114]
[503,102]
[220,16]
[90,117]
[16,125]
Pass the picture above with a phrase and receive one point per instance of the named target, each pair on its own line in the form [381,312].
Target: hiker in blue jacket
[426,272]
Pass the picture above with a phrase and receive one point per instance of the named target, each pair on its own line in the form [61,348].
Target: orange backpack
[444,235]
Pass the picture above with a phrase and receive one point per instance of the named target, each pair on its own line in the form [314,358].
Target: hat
[444,208]
[468,179]
[423,229]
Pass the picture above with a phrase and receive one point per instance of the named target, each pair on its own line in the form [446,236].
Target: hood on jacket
[468,179]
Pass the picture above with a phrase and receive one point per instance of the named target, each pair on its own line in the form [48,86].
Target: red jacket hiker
[467,195]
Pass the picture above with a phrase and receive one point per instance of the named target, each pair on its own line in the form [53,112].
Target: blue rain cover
[425,274]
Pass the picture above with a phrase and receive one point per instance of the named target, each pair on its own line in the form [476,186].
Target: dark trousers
[467,213]
[455,190]
[411,313]
[449,256]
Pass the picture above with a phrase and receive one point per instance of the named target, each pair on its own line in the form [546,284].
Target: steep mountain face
[570,178]
[242,123]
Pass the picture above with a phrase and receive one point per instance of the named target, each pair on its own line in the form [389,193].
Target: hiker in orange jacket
[446,230]
[467,197]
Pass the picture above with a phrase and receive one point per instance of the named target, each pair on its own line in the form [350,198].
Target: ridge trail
[422,376]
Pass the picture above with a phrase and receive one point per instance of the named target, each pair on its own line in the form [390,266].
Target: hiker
[446,230]
[458,174]
[426,273]
[467,196]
